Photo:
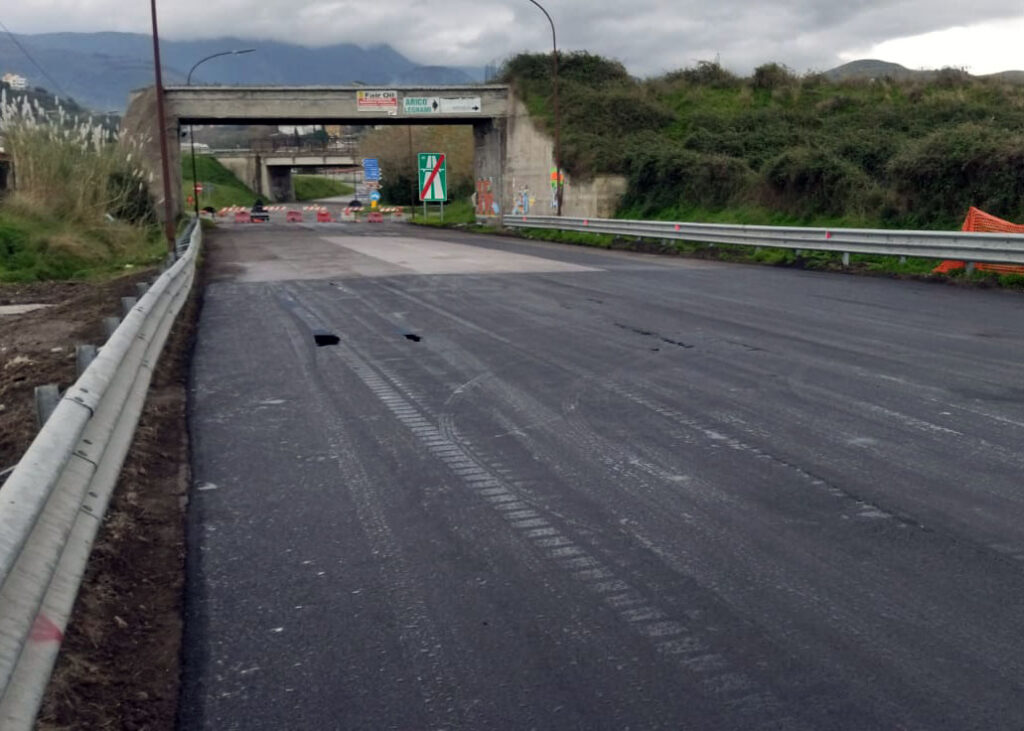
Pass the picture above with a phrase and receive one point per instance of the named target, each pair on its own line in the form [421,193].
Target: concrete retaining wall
[530,156]
[246,169]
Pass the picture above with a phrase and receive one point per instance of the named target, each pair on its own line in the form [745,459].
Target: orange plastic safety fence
[978,220]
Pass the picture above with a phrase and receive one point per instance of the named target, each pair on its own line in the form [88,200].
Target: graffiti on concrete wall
[484,200]
[557,176]
[522,201]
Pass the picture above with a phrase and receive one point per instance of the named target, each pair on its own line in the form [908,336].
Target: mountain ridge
[99,70]
[871,68]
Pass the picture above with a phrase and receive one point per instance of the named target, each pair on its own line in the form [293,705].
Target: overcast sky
[649,36]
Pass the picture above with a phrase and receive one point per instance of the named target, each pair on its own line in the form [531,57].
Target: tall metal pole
[558,115]
[191,132]
[413,180]
[161,119]
[195,180]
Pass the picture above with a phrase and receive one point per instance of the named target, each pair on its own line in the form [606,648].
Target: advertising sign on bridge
[377,100]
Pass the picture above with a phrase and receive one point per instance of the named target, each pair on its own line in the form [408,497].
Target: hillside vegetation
[704,144]
[315,187]
[220,186]
[80,207]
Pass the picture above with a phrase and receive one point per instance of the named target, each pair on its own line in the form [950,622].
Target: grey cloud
[649,36]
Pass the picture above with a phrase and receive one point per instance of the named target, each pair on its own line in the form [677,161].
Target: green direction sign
[433,177]
[420,105]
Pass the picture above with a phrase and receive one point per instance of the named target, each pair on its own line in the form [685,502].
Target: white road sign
[460,105]
[441,105]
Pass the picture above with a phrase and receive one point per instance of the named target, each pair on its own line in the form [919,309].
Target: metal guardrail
[959,245]
[52,504]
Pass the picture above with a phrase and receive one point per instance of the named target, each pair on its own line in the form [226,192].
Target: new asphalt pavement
[448,481]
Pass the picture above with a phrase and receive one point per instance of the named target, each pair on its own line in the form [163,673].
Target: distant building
[300,130]
[15,81]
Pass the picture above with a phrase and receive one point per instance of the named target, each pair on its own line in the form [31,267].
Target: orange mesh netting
[982,222]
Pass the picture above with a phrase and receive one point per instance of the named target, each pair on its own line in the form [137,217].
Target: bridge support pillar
[489,166]
[139,129]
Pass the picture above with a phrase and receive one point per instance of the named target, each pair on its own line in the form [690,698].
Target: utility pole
[161,118]
[412,180]
[558,115]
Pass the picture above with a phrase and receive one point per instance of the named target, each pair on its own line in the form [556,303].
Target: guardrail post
[110,324]
[141,288]
[84,355]
[127,303]
[970,267]
[47,397]
[903,260]
[846,258]
[53,504]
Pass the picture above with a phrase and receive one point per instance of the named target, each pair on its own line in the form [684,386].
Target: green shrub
[580,66]
[940,176]
[772,76]
[662,177]
[712,74]
[804,179]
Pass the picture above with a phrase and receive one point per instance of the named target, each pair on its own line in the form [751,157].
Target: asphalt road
[543,487]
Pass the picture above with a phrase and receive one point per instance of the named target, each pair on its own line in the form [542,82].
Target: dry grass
[73,168]
[80,204]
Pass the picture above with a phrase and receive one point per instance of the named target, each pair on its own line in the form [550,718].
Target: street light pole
[191,132]
[558,117]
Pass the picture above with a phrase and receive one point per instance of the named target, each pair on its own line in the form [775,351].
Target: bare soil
[39,347]
[120,660]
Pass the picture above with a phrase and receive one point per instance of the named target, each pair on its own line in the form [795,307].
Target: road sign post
[433,179]
[371,175]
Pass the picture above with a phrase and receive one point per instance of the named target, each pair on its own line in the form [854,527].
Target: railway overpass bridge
[269,173]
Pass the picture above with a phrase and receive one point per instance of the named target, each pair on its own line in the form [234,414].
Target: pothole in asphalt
[322,338]
[413,337]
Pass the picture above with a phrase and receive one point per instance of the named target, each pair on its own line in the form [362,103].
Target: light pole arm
[558,114]
[554,40]
[188,79]
[191,132]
